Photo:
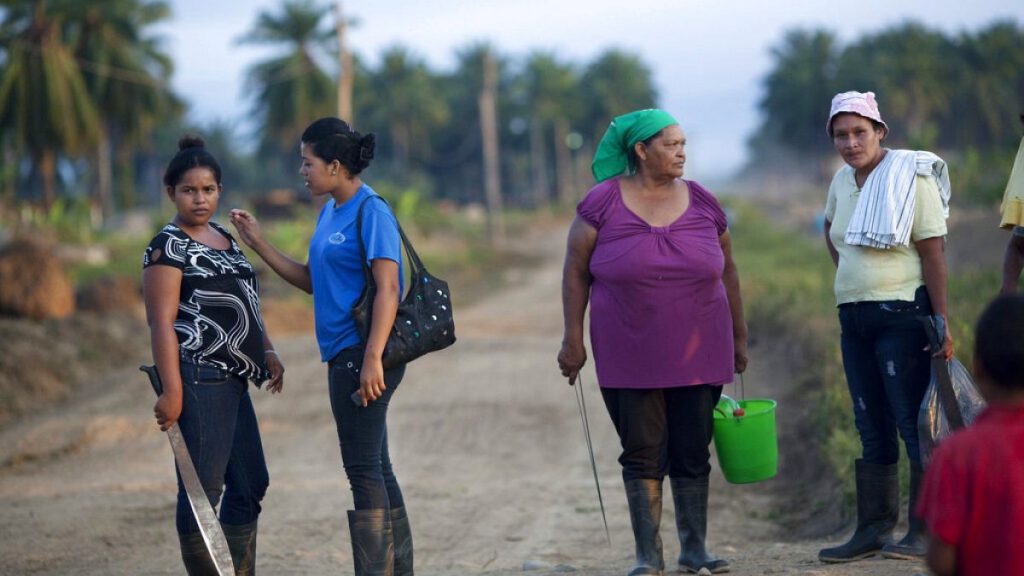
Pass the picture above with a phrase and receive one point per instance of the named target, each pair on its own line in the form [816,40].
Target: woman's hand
[571,359]
[947,345]
[371,380]
[740,355]
[167,410]
[247,226]
[276,368]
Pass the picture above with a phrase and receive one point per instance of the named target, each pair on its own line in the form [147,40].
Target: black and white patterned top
[219,322]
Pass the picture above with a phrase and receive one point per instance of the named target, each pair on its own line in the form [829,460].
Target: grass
[787,288]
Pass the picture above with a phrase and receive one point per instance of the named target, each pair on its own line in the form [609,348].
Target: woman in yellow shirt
[885,228]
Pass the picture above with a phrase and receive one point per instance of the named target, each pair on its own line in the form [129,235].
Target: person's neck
[193,230]
[655,184]
[861,174]
[346,190]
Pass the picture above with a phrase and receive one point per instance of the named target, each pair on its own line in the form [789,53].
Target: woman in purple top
[651,253]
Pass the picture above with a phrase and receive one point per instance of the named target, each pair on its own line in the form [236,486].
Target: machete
[206,517]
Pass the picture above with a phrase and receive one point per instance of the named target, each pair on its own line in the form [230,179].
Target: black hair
[999,341]
[191,154]
[631,153]
[333,139]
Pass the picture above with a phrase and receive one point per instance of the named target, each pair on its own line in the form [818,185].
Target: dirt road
[485,436]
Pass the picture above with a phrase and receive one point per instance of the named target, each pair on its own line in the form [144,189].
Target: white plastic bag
[933,418]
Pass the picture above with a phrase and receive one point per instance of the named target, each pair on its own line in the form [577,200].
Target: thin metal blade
[206,517]
[581,403]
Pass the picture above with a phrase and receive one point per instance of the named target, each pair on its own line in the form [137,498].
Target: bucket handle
[732,404]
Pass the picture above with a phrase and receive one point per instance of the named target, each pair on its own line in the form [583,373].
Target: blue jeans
[663,430]
[887,371]
[219,426]
[363,433]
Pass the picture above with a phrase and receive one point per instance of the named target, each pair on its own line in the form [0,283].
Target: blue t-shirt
[335,268]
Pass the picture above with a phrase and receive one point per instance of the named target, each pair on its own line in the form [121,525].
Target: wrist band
[270,351]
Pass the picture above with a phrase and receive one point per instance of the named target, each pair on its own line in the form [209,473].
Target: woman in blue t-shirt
[208,339]
[333,156]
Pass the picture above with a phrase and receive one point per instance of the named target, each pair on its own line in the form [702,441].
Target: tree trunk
[489,131]
[48,170]
[400,141]
[125,177]
[563,163]
[345,63]
[104,175]
[538,164]
[10,174]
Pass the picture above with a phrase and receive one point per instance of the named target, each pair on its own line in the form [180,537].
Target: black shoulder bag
[424,322]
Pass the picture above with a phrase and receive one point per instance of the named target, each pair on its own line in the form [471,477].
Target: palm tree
[911,68]
[44,101]
[551,96]
[992,68]
[800,84]
[126,72]
[291,90]
[616,83]
[408,102]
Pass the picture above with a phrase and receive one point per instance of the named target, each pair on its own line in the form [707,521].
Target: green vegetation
[101,123]
[956,95]
[787,289]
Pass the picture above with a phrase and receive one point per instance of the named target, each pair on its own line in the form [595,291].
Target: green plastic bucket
[746,445]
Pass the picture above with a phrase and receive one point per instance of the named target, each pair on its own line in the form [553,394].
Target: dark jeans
[887,371]
[219,426]
[663,430]
[363,433]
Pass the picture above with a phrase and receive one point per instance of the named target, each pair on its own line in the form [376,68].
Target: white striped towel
[884,214]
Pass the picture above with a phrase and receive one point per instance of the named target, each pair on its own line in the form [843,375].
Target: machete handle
[154,378]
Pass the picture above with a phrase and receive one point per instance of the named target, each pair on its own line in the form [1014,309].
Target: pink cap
[860,103]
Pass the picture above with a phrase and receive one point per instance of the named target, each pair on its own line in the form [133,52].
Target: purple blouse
[659,315]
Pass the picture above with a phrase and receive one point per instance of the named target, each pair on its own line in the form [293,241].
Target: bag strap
[414,258]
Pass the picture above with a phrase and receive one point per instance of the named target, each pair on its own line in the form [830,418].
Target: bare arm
[161,287]
[731,279]
[941,557]
[576,280]
[292,271]
[385,306]
[274,364]
[1013,262]
[933,267]
[831,247]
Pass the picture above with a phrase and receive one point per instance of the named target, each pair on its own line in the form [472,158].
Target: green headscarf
[612,156]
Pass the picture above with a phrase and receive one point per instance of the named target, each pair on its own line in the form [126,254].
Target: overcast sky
[708,56]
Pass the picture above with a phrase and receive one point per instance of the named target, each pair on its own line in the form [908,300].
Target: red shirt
[972,496]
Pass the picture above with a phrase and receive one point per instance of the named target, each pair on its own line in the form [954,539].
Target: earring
[334,172]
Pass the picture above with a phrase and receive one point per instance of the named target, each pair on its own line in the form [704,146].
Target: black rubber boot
[242,544]
[195,556]
[877,512]
[373,551]
[914,545]
[644,498]
[690,497]
[402,536]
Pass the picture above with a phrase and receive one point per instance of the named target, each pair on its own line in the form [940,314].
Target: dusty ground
[486,439]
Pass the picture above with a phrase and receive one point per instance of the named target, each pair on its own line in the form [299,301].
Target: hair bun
[191,141]
[367,145]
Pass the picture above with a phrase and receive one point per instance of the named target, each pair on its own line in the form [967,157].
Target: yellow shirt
[1013,197]
[871,274]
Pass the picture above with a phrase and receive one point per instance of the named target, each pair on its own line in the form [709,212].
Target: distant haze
[708,57]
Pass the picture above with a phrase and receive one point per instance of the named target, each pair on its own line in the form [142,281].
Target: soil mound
[33,284]
[111,294]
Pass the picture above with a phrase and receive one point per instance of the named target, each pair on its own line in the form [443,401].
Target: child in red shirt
[972,497]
